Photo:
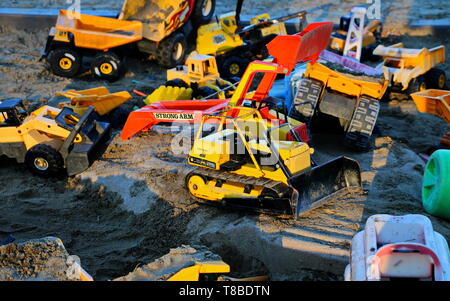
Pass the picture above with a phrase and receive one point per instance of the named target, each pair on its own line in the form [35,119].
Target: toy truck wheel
[64,62]
[172,51]
[417,84]
[204,92]
[43,160]
[203,11]
[436,184]
[233,66]
[436,78]
[107,66]
[177,82]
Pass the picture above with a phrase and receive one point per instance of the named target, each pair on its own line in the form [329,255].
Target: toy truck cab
[198,69]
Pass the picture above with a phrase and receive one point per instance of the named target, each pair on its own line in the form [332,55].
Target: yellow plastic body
[433,101]
[345,84]
[201,70]
[218,148]
[219,37]
[95,32]
[164,93]
[39,127]
[100,98]
[159,18]
[193,273]
[406,64]
[277,28]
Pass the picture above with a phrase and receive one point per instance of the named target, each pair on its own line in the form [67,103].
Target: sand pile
[39,259]
[168,265]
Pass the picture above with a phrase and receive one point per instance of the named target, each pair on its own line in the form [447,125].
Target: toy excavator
[49,140]
[287,50]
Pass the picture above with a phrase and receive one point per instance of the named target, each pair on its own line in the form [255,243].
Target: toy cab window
[226,22]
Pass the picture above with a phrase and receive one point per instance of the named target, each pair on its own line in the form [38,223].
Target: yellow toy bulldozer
[49,140]
[244,163]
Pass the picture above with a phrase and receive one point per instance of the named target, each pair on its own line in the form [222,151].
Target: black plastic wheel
[203,92]
[417,84]
[107,66]
[65,62]
[177,82]
[203,11]
[233,66]
[172,51]
[436,78]
[44,161]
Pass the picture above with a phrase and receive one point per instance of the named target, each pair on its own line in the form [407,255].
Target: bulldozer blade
[324,183]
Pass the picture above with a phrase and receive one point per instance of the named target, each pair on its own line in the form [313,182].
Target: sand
[130,207]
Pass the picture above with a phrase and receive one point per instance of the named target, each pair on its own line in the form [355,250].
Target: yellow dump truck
[161,29]
[352,102]
[413,70]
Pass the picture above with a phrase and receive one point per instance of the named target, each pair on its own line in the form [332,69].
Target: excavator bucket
[324,183]
[288,50]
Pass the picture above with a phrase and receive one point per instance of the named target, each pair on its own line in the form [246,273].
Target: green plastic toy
[436,184]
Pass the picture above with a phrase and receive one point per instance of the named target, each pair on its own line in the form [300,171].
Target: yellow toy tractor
[200,73]
[245,163]
[159,28]
[235,47]
[49,140]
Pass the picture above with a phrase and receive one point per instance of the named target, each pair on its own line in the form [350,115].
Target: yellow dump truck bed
[159,18]
[346,83]
[100,98]
[95,32]
[433,101]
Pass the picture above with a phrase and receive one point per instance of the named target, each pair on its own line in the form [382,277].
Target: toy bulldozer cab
[12,113]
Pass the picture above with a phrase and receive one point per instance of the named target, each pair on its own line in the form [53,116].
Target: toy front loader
[49,140]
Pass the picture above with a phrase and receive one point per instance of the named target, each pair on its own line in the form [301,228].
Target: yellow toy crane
[413,70]
[243,163]
[49,140]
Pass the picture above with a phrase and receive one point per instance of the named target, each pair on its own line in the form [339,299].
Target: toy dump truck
[351,102]
[413,70]
[398,248]
[247,164]
[49,140]
[200,73]
[235,47]
[355,41]
[159,29]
